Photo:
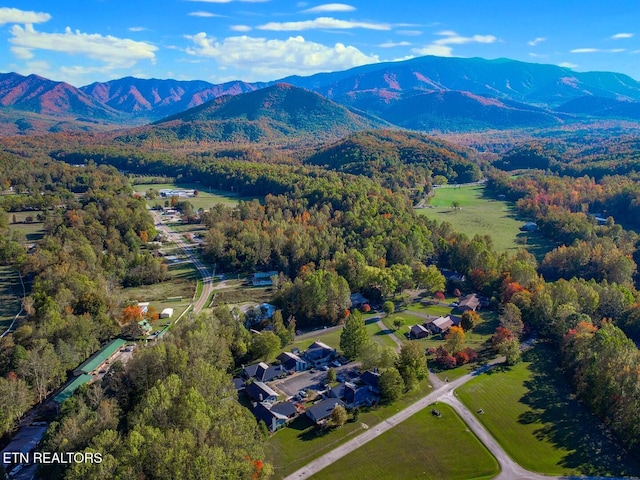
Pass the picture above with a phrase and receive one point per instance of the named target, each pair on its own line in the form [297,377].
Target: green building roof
[72,387]
[95,360]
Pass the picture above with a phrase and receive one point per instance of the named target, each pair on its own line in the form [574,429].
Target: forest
[331,220]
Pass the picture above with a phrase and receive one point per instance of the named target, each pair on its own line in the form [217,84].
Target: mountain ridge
[499,93]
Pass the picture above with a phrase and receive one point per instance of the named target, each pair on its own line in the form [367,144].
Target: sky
[84,41]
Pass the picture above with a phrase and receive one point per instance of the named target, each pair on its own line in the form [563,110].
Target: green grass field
[423,446]
[296,445]
[10,296]
[175,293]
[32,231]
[206,197]
[531,412]
[480,214]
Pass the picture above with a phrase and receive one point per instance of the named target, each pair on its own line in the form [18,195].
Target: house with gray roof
[261,392]
[322,410]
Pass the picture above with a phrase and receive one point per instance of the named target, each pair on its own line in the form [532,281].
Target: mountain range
[426,93]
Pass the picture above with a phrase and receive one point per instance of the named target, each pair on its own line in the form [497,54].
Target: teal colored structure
[72,387]
[101,356]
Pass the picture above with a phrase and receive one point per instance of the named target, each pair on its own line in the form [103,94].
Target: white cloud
[442,48]
[536,41]
[240,28]
[114,52]
[13,15]
[538,55]
[452,38]
[597,50]
[204,14]
[323,23]
[619,36]
[567,65]
[394,44]
[410,33]
[265,59]
[137,29]
[437,50]
[331,7]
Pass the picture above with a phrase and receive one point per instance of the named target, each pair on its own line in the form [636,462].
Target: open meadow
[477,213]
[530,411]
[298,444]
[424,446]
[10,296]
[207,197]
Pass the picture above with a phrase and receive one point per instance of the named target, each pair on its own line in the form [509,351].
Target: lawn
[10,296]
[33,230]
[530,411]
[296,445]
[423,446]
[478,339]
[206,198]
[480,214]
[175,293]
[380,336]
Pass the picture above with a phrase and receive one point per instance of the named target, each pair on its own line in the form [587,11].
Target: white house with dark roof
[261,392]
[292,362]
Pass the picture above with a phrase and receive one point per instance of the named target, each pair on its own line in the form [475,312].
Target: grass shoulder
[424,446]
[530,411]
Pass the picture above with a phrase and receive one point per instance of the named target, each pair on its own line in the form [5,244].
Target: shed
[166,313]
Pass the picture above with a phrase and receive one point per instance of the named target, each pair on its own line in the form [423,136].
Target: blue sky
[82,41]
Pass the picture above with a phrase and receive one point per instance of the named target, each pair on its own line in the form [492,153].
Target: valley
[371,239]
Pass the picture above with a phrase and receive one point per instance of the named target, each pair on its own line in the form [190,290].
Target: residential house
[357,395]
[469,302]
[261,392]
[372,379]
[322,410]
[358,300]
[166,313]
[287,409]
[418,331]
[441,324]
[272,419]
[320,353]
[263,372]
[292,362]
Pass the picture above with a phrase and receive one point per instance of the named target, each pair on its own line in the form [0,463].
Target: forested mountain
[40,95]
[271,114]
[538,84]
[425,93]
[154,98]
[602,107]
[398,158]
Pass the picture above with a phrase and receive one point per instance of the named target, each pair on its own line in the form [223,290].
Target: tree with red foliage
[501,336]
[366,308]
[439,296]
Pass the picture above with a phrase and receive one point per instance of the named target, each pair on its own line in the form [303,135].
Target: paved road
[368,435]
[15,319]
[189,250]
[509,469]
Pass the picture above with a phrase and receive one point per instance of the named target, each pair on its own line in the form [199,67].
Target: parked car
[336,363]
